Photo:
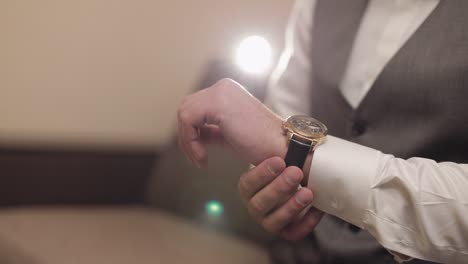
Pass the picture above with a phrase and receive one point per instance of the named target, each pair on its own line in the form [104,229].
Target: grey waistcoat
[417,107]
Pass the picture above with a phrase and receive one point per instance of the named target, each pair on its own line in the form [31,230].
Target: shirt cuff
[340,178]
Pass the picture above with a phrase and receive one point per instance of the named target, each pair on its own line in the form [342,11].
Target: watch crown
[284,126]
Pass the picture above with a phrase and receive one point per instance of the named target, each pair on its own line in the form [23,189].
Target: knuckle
[310,225]
[269,226]
[182,114]
[293,208]
[180,110]
[183,102]
[257,206]
[284,186]
[292,236]
[286,216]
[242,186]
[295,237]
[251,177]
[264,177]
[287,236]
[314,220]
[254,214]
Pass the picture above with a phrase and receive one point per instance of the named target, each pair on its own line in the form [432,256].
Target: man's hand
[273,199]
[227,114]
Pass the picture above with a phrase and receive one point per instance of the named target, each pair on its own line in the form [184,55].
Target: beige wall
[112,71]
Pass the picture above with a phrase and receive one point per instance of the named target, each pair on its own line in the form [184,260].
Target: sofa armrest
[31,176]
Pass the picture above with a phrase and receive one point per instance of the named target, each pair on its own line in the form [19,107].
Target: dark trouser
[308,252]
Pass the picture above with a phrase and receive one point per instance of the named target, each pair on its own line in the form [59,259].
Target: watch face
[307,126]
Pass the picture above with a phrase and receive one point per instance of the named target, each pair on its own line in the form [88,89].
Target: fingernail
[303,198]
[274,170]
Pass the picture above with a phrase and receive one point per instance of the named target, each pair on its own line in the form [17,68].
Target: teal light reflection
[214,208]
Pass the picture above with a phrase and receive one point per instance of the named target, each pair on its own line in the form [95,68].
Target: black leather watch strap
[297,154]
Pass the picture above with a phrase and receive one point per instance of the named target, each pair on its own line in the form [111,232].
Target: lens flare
[214,208]
[254,55]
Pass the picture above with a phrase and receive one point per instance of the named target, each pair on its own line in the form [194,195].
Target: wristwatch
[304,134]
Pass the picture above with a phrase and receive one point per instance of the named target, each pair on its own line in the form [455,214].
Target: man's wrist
[279,141]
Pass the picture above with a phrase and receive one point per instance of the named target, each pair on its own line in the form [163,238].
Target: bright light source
[214,208]
[254,55]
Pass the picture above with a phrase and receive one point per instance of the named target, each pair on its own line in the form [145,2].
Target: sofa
[82,205]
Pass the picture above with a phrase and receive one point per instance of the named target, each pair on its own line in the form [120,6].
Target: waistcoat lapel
[335,25]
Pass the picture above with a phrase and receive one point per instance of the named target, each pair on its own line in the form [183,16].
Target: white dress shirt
[415,207]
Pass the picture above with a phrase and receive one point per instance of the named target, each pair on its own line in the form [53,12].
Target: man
[385,77]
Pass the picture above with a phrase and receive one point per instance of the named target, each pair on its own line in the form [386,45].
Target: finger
[288,212]
[193,115]
[194,149]
[258,177]
[274,193]
[298,230]
[182,119]
[182,144]
[210,134]
[196,114]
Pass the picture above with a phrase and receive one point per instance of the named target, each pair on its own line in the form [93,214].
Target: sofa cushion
[115,235]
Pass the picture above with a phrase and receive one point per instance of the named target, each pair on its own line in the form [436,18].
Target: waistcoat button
[359,127]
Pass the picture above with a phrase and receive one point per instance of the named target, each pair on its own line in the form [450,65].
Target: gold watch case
[305,129]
